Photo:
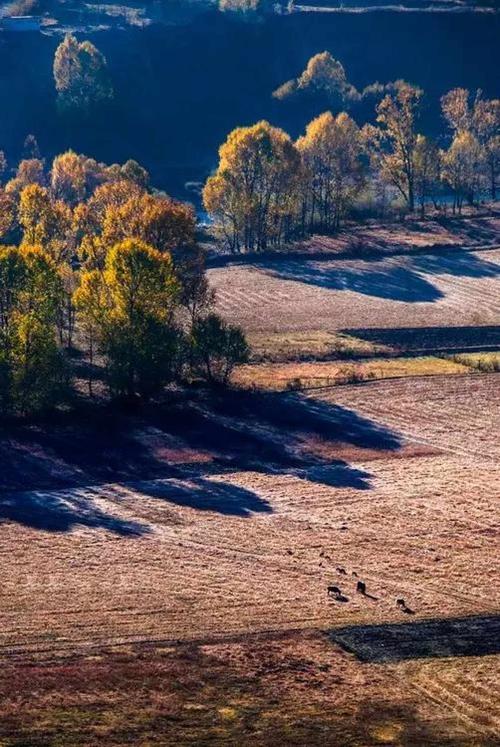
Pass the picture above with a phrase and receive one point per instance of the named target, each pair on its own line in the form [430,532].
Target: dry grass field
[164,573]
[194,561]
[286,296]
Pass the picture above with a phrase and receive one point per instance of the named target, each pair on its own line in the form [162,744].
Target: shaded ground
[450,289]
[235,514]
[152,582]
[288,689]
[468,636]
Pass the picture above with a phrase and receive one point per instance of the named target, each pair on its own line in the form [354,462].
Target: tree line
[268,189]
[92,258]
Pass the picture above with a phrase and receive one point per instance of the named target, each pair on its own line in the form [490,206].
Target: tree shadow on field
[63,510]
[389,282]
[54,475]
[457,263]
[381,279]
[423,639]
[204,494]
[447,339]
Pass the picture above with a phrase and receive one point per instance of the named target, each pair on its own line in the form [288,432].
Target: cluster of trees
[90,257]
[81,76]
[326,76]
[268,189]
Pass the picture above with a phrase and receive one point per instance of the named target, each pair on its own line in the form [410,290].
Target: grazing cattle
[341,570]
[361,587]
[335,591]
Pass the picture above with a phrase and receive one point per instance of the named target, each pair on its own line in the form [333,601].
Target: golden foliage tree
[322,74]
[29,171]
[393,143]
[159,221]
[462,166]
[331,150]
[81,75]
[8,214]
[32,374]
[129,307]
[480,118]
[254,194]
[45,222]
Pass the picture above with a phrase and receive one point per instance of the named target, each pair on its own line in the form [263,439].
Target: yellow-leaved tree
[332,150]
[128,312]
[81,75]
[32,371]
[254,195]
[393,144]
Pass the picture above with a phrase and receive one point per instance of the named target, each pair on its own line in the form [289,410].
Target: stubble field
[396,482]
[447,289]
[164,574]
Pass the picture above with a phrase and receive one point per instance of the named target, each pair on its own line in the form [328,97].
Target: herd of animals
[336,592]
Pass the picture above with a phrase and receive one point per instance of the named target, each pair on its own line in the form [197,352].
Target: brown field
[222,522]
[165,572]
[456,288]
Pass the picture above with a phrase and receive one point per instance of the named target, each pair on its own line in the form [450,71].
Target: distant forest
[180,88]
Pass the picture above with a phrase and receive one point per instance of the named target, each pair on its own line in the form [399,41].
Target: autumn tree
[254,194]
[31,366]
[81,75]
[393,144]
[74,177]
[486,127]
[457,111]
[8,215]
[325,75]
[462,166]
[331,152]
[130,307]
[157,220]
[135,173]
[29,171]
[427,170]
[45,222]
[480,118]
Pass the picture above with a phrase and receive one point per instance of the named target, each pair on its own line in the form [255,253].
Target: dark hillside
[180,89]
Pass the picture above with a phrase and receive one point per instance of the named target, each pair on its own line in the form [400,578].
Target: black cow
[335,591]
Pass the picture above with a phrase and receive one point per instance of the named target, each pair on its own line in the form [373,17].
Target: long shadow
[392,283]
[405,284]
[62,511]
[232,431]
[457,263]
[463,636]
[432,338]
[206,495]
[295,414]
